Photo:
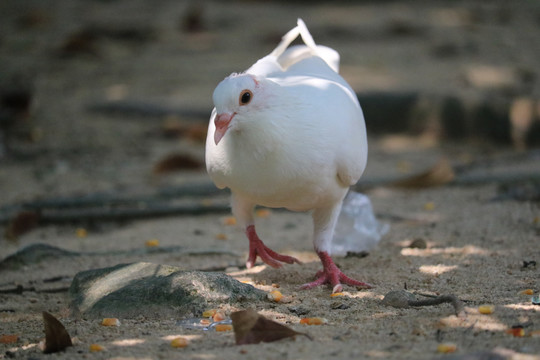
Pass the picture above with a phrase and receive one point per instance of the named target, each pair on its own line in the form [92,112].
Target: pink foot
[270,257]
[330,274]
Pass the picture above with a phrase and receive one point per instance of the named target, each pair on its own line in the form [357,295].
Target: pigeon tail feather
[286,40]
[306,36]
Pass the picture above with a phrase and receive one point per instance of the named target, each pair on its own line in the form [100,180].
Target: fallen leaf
[22,223]
[440,174]
[252,328]
[175,162]
[79,43]
[9,339]
[192,21]
[56,335]
[174,128]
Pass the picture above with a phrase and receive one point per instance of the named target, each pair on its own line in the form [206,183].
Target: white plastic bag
[357,229]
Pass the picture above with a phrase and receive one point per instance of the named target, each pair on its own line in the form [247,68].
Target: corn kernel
[221,236]
[205,322]
[219,316]
[313,321]
[209,313]
[96,348]
[336,294]
[486,309]
[152,243]
[516,332]
[223,327]
[81,233]
[446,348]
[527,292]
[262,213]
[110,322]
[229,221]
[179,342]
[429,206]
[274,295]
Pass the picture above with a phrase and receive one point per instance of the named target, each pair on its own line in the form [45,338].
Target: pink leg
[270,257]
[332,275]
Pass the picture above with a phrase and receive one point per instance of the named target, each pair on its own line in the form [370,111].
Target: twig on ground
[404,299]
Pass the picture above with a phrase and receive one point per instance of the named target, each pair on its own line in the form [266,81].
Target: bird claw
[267,255]
[330,274]
[336,280]
[270,257]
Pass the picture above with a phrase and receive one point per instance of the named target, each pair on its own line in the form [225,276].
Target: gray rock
[154,291]
[34,254]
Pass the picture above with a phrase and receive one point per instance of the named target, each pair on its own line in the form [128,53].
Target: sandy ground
[476,246]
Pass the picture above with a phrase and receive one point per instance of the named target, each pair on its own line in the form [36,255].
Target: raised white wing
[284,57]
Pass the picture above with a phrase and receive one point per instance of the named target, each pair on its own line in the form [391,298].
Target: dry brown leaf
[176,162]
[56,335]
[22,223]
[174,128]
[252,328]
[9,339]
[440,174]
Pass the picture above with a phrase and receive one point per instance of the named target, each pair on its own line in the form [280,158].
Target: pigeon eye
[245,97]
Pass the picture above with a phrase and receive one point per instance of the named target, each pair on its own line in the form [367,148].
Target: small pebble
[299,310]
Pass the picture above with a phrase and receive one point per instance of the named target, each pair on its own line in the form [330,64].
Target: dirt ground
[481,246]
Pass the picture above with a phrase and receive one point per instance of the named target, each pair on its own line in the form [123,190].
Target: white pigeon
[289,133]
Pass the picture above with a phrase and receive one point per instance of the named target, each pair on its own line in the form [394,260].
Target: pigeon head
[235,98]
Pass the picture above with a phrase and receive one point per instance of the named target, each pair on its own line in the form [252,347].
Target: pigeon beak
[222,122]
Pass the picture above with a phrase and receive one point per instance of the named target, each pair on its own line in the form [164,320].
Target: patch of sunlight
[366,295]
[189,337]
[437,269]
[23,347]
[378,354]
[385,314]
[280,317]
[466,250]
[474,320]
[523,307]
[254,270]
[203,356]
[128,342]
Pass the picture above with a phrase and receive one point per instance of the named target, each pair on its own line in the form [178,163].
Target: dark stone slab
[34,254]
[154,291]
